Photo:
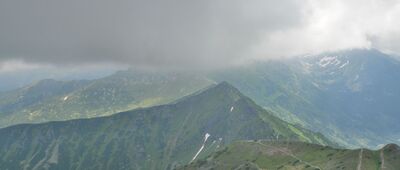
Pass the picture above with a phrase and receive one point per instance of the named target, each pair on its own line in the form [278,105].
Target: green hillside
[159,137]
[50,100]
[257,155]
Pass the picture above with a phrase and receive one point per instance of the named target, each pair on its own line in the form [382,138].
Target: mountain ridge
[159,137]
[260,154]
[335,93]
[119,92]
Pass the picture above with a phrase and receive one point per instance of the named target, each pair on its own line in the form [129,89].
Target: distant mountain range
[50,100]
[160,137]
[349,96]
[256,155]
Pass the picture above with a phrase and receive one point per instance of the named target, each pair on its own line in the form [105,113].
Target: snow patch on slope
[315,84]
[356,78]
[220,140]
[327,60]
[306,66]
[65,98]
[206,136]
[345,64]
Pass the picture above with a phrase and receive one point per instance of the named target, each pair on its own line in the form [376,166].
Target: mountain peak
[225,85]
[46,82]
[391,147]
[222,91]
[224,88]
[170,134]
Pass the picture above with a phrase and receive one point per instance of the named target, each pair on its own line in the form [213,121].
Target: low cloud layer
[189,34]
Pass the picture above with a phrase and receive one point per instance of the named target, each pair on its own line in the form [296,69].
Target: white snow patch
[220,140]
[345,64]
[202,146]
[356,78]
[65,98]
[232,108]
[306,66]
[327,60]
[315,84]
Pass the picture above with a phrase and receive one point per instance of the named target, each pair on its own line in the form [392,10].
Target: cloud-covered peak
[188,33]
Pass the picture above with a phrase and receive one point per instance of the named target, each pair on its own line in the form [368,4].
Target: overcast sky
[188,33]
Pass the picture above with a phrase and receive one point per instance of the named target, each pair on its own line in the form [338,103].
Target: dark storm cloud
[140,32]
[189,33]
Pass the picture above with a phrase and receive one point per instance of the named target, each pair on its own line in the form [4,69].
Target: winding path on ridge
[360,157]
[290,154]
[382,160]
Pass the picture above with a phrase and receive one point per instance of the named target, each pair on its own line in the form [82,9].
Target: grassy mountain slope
[159,137]
[55,100]
[297,155]
[37,93]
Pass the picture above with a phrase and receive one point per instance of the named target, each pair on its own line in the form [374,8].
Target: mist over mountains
[205,85]
[146,119]
[349,96]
